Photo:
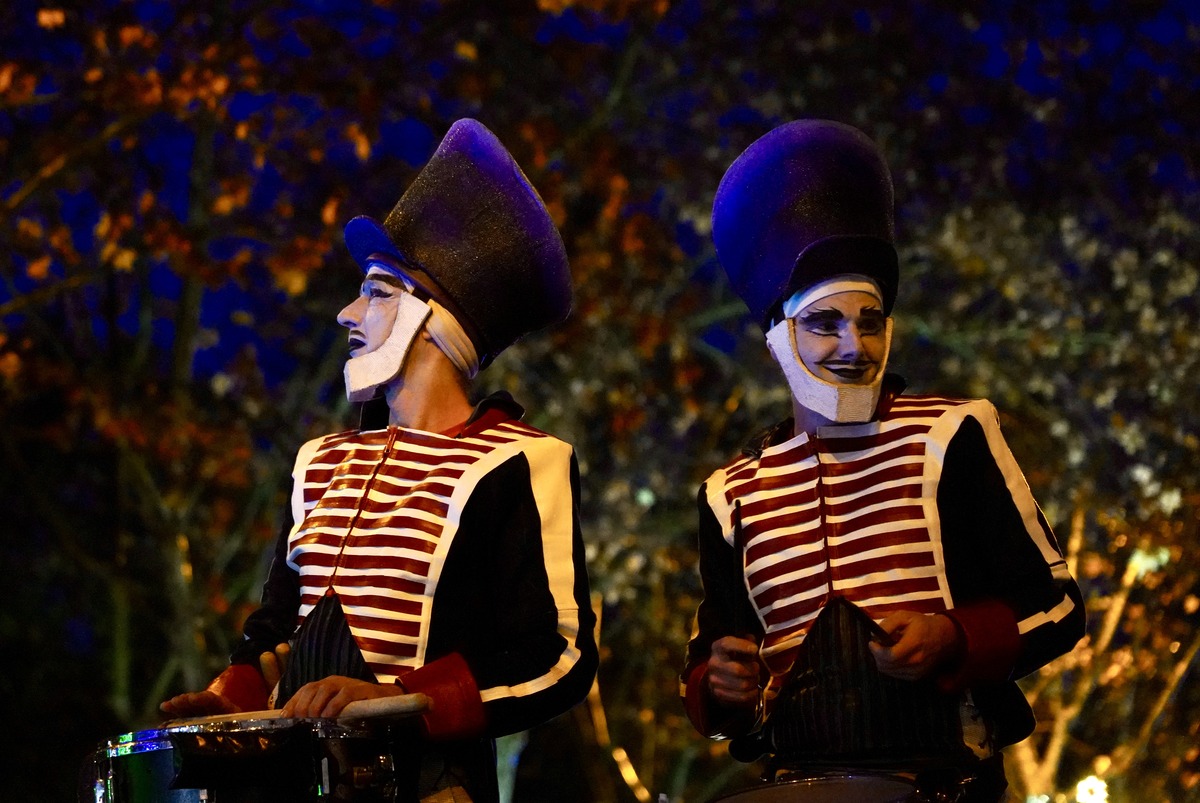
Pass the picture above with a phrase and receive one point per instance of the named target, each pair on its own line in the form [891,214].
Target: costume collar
[893,386]
[490,411]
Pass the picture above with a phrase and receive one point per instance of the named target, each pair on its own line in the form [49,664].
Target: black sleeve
[274,621]
[514,601]
[992,553]
[725,610]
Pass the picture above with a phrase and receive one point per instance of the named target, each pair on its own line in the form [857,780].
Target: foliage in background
[175,180]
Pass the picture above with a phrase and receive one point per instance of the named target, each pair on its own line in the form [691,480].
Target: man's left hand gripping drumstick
[274,664]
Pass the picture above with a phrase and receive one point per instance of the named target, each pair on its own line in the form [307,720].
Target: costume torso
[453,562]
[378,512]
[851,513]
[923,509]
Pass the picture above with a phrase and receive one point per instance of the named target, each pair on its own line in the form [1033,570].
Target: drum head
[829,789]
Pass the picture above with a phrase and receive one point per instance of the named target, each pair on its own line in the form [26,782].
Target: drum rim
[900,782]
[800,776]
[159,738]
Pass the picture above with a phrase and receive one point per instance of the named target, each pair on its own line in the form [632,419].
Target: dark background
[175,178]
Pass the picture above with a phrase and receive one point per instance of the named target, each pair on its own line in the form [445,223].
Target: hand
[920,644]
[198,704]
[733,671]
[274,664]
[328,696]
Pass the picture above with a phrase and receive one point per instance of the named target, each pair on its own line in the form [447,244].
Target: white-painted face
[371,316]
[843,338]
[383,321]
[833,350]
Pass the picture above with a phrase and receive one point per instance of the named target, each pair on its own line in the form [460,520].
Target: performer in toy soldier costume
[440,554]
[876,573]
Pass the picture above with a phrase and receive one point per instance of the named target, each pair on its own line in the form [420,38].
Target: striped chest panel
[378,511]
[851,513]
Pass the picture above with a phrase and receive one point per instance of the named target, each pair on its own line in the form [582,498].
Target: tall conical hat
[808,200]
[475,234]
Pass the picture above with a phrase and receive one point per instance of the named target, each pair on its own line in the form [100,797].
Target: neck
[806,420]
[430,394]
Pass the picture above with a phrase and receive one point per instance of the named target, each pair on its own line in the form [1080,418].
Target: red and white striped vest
[850,513]
[377,512]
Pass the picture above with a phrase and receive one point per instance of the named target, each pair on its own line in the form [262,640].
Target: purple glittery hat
[808,200]
[472,226]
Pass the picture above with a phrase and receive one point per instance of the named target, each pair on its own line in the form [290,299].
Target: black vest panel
[837,709]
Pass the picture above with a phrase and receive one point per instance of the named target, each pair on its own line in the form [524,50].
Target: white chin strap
[365,373]
[449,336]
[842,404]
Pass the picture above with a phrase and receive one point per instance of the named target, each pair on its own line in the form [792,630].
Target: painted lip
[355,343]
[849,372]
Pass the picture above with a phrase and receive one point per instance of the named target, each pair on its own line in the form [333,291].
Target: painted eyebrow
[384,278]
[835,314]
[822,315]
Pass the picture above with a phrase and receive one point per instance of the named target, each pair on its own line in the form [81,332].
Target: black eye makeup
[382,285]
[870,321]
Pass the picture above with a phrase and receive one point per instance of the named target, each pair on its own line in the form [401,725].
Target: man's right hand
[198,704]
[733,671]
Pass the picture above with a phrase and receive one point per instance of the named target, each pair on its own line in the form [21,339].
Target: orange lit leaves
[234,195]
[362,144]
[172,438]
[293,264]
[201,85]
[41,246]
[618,189]
[614,9]
[38,269]
[10,362]
[17,86]
[51,18]
[466,51]
[110,230]
[329,212]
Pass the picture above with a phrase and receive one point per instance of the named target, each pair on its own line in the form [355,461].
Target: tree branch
[63,160]
[1125,755]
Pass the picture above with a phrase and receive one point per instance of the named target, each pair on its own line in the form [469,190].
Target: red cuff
[455,707]
[991,644]
[243,686]
[709,717]
[695,700]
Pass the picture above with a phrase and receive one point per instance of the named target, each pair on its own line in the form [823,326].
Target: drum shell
[261,761]
[134,767]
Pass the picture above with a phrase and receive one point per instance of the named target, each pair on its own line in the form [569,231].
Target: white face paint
[833,354]
[383,321]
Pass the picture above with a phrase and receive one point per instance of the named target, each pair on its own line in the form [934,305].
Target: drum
[241,761]
[860,788]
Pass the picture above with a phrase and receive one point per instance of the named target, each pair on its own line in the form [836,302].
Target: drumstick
[739,544]
[401,705]
[398,706]
[234,717]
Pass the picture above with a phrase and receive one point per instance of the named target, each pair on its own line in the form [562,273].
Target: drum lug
[376,776]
